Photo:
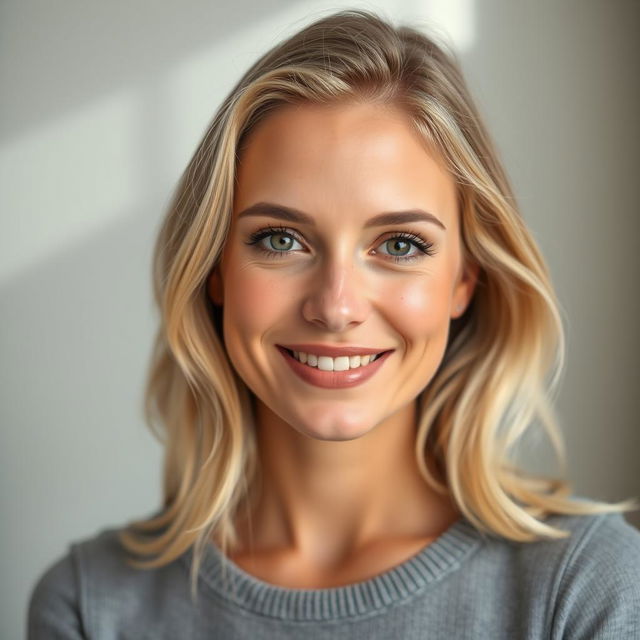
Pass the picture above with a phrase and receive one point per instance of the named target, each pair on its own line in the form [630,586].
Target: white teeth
[327,363]
[341,363]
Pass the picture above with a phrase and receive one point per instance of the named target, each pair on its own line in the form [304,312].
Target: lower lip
[334,379]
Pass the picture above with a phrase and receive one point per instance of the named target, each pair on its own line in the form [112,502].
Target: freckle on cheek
[415,299]
[421,307]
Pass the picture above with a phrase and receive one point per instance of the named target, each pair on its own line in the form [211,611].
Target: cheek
[254,300]
[421,307]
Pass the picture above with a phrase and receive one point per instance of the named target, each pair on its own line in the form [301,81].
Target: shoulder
[592,539]
[54,609]
[57,605]
[602,547]
[600,575]
[93,587]
[593,577]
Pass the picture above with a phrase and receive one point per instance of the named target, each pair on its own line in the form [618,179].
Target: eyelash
[418,241]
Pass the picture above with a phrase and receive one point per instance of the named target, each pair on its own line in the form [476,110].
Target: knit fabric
[463,585]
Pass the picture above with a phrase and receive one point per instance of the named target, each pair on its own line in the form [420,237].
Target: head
[369,118]
[340,276]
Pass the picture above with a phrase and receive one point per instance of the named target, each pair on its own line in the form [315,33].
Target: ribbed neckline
[432,563]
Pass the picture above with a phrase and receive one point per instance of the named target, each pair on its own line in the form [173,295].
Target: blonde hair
[505,354]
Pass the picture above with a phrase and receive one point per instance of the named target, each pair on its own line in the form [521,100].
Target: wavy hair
[505,354]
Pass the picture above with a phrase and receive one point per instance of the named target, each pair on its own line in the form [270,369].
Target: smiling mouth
[337,363]
[341,372]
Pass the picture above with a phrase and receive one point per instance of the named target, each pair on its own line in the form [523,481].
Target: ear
[214,287]
[464,289]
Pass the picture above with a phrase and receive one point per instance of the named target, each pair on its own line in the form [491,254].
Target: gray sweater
[463,585]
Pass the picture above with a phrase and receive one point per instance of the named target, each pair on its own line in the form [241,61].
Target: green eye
[280,241]
[398,247]
[275,242]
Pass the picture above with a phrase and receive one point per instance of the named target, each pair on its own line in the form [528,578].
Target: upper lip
[329,350]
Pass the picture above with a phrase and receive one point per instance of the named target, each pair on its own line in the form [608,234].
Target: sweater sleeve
[54,606]
[598,589]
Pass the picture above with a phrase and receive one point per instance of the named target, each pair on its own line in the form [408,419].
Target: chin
[318,421]
[333,437]
[334,431]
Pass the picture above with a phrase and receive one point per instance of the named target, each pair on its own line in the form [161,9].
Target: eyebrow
[294,215]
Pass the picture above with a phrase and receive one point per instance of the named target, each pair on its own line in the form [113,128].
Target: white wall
[102,105]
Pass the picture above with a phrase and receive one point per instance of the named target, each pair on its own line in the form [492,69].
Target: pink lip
[333,379]
[328,350]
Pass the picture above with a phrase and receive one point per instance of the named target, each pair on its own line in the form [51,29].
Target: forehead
[347,157]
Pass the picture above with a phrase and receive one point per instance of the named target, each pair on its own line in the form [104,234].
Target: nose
[337,299]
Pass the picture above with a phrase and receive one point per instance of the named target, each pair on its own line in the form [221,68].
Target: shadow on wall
[76,307]
[58,58]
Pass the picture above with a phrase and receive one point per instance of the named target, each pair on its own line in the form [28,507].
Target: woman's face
[311,265]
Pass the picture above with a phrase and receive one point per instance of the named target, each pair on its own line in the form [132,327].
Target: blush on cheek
[252,297]
[422,306]
[245,311]
[256,301]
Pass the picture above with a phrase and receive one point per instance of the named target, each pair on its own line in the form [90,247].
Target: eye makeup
[423,247]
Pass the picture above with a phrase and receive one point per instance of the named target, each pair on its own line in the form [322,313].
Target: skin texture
[342,498]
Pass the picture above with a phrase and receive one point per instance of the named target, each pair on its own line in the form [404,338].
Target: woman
[357,330]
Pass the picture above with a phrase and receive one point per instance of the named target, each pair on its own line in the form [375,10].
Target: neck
[327,499]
